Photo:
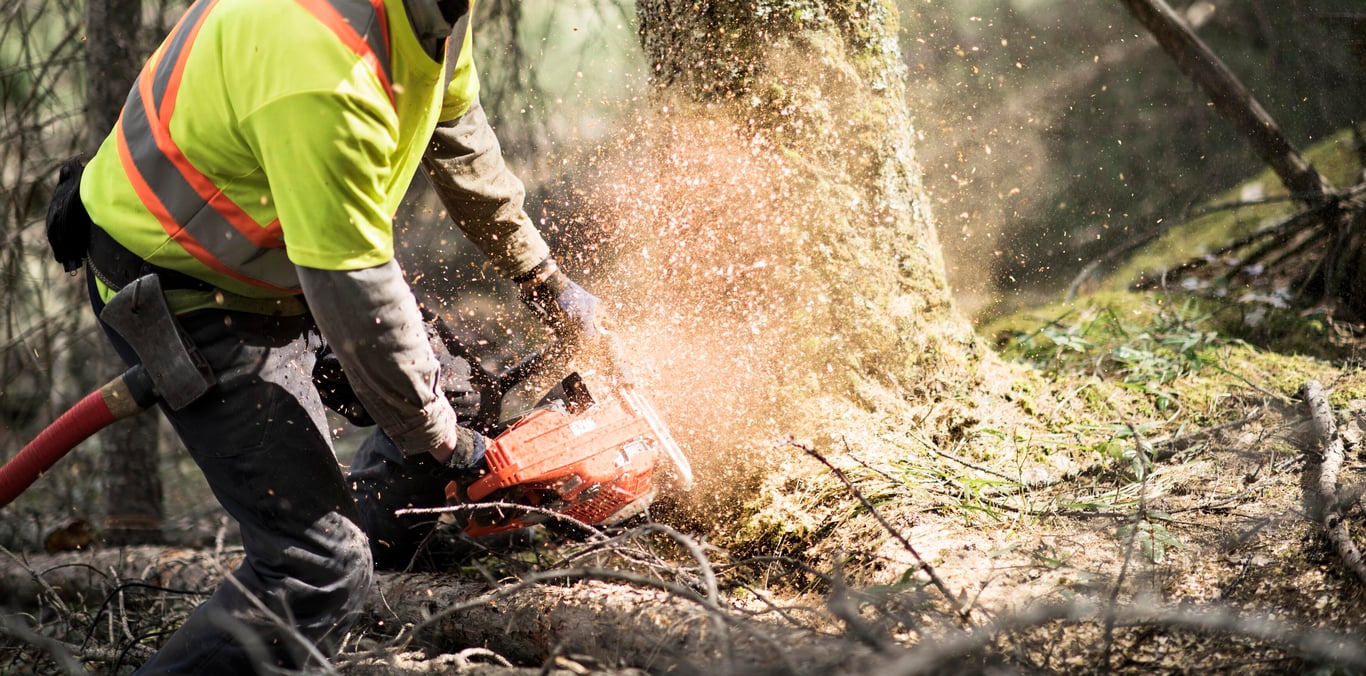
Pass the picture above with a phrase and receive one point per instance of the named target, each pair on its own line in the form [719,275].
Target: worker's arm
[484,198]
[371,321]
[465,164]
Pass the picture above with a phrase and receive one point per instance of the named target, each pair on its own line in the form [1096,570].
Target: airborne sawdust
[699,240]
[694,226]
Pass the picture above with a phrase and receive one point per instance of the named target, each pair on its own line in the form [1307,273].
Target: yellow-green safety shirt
[304,133]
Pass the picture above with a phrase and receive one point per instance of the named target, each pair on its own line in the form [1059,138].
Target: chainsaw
[594,460]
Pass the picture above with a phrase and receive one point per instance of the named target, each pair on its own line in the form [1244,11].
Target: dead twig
[1337,649]
[1331,506]
[964,613]
[1144,457]
[592,531]
[713,611]
[58,651]
[704,565]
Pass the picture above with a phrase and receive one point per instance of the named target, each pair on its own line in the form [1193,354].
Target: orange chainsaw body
[596,465]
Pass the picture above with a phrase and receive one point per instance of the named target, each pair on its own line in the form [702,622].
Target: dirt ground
[1043,551]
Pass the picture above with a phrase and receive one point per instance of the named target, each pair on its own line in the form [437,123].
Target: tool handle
[123,396]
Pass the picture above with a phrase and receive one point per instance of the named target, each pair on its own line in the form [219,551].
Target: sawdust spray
[690,236]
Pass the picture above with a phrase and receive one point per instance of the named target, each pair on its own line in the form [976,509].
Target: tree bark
[112,62]
[131,481]
[777,261]
[782,210]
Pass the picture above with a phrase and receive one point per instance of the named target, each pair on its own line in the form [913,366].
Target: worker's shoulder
[262,24]
[277,43]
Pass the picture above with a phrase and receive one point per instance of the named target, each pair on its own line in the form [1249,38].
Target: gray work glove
[567,308]
[468,457]
[466,465]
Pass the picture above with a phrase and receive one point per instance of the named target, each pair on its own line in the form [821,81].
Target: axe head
[138,313]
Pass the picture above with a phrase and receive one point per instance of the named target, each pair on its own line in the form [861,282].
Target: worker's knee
[325,576]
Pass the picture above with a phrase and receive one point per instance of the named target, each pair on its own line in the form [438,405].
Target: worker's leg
[261,439]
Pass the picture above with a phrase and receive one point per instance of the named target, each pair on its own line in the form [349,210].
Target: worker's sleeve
[371,321]
[484,198]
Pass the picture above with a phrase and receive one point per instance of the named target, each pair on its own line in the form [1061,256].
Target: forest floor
[1137,497]
[1128,484]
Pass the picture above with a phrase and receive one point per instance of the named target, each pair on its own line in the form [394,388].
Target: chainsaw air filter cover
[596,465]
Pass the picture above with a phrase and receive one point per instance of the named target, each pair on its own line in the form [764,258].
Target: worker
[255,169]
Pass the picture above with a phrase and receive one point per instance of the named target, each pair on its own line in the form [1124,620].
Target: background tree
[130,464]
[1046,133]
[44,332]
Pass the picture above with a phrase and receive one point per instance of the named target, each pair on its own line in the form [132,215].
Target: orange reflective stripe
[170,75]
[175,191]
[346,18]
[173,229]
[160,128]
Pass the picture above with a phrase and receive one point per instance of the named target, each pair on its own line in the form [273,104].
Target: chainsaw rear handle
[120,398]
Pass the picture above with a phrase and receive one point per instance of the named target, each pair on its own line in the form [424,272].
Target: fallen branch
[1316,645]
[60,653]
[618,618]
[964,613]
[1331,512]
[1232,99]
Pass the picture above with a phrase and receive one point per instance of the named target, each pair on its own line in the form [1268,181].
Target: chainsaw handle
[492,387]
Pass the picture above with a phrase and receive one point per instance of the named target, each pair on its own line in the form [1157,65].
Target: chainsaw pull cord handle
[124,396]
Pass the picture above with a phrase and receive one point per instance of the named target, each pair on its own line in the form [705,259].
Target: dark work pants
[383,480]
[260,437]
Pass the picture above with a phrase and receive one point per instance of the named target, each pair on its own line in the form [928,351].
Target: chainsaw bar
[682,469]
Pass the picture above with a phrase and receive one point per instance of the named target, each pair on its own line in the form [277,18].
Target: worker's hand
[567,308]
[463,454]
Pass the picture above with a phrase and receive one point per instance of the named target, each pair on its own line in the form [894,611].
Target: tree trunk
[133,509]
[848,247]
[776,261]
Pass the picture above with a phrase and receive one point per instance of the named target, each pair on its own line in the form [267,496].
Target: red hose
[87,417]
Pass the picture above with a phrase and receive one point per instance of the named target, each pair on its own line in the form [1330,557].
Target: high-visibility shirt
[298,122]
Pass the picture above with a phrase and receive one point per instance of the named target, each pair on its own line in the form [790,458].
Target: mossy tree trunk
[850,272]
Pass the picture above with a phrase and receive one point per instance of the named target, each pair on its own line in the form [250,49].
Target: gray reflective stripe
[454,44]
[366,21]
[175,46]
[214,239]
[208,228]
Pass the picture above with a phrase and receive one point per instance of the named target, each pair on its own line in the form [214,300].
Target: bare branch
[1331,505]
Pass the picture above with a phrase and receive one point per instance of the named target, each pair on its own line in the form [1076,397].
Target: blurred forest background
[1048,135]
